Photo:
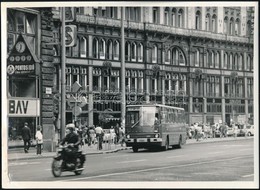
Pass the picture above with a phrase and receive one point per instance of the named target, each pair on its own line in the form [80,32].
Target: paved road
[218,161]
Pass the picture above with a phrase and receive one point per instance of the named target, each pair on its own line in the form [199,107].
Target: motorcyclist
[72,140]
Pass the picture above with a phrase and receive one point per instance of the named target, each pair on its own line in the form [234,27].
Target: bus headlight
[156,135]
[128,136]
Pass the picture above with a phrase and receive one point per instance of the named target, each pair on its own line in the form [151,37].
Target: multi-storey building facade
[198,58]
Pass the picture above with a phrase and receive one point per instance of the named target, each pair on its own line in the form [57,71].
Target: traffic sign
[76,110]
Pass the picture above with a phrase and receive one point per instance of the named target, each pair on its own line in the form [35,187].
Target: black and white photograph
[142,94]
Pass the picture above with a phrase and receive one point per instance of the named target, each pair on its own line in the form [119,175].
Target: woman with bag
[39,140]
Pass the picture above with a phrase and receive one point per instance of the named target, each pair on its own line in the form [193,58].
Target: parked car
[230,131]
[241,130]
[250,130]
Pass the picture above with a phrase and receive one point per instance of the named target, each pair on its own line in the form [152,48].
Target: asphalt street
[218,161]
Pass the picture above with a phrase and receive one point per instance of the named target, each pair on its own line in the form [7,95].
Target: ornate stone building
[198,58]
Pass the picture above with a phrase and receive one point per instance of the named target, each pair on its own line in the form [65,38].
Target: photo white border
[162,185]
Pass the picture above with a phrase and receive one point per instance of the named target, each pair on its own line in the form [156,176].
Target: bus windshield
[141,116]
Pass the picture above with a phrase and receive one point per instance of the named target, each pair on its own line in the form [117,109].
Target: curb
[127,148]
[51,156]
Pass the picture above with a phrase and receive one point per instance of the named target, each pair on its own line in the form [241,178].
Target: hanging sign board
[21,60]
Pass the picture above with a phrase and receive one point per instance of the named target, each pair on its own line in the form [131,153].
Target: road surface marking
[22,163]
[157,168]
[248,175]
[176,156]
[204,173]
[116,156]
[130,161]
[215,152]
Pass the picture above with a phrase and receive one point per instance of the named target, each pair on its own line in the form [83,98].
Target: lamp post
[123,102]
[63,77]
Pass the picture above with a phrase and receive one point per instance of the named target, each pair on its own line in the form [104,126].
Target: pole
[63,77]
[123,102]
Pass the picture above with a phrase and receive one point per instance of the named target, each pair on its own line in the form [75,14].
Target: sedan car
[250,130]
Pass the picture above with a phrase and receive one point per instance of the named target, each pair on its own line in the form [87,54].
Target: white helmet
[70,126]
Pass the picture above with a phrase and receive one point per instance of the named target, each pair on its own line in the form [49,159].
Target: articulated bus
[152,126]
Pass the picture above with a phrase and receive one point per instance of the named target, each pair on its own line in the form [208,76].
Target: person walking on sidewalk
[26,135]
[99,134]
[39,140]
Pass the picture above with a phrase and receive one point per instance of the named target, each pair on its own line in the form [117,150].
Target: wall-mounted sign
[70,35]
[24,107]
[21,60]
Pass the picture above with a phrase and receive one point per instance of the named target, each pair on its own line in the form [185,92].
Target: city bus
[155,125]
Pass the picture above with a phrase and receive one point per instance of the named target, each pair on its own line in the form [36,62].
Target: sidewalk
[18,153]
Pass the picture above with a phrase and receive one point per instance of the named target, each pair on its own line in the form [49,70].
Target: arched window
[167,57]
[235,63]
[109,52]
[218,58]
[83,47]
[180,18]
[127,51]
[175,56]
[214,23]
[154,54]
[166,16]
[140,52]
[230,63]
[225,26]
[173,19]
[231,26]
[212,59]
[249,63]
[116,50]
[95,48]
[237,27]
[198,21]
[75,49]
[133,52]
[225,61]
[197,58]
[102,49]
[181,58]
[207,21]
[240,63]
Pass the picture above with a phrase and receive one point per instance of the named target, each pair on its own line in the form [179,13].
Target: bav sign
[24,107]
[21,60]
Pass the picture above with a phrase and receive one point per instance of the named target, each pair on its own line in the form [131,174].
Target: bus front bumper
[143,140]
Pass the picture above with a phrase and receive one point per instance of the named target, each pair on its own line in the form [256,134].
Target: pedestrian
[39,140]
[121,136]
[91,135]
[26,135]
[99,134]
[117,132]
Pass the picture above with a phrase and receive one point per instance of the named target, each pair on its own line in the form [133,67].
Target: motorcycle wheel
[56,168]
[78,170]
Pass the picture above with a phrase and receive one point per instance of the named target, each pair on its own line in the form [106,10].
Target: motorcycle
[61,163]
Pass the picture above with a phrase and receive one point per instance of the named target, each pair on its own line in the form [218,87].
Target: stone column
[246,98]
[46,80]
[223,111]
[90,94]
[163,88]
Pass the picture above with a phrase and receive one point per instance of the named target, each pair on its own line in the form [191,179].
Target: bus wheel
[180,143]
[135,148]
[166,147]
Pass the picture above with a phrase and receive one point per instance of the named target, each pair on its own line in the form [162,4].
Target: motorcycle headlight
[128,136]
[157,135]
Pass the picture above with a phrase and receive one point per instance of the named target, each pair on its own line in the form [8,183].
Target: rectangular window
[155,15]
